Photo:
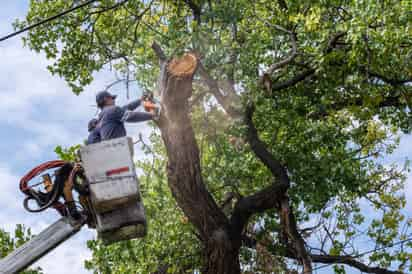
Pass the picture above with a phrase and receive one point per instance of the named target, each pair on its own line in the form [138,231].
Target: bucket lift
[114,190]
[109,193]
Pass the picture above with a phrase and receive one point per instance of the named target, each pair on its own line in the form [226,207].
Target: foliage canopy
[326,87]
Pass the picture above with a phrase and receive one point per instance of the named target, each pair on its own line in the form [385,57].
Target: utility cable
[47,20]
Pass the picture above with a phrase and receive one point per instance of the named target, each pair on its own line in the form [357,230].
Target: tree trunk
[222,254]
[184,170]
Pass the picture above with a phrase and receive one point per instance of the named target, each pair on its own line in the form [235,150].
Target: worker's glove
[149,106]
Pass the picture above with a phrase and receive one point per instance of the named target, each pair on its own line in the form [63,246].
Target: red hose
[36,171]
[41,168]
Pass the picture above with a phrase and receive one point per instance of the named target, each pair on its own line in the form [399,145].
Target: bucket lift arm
[111,203]
[40,245]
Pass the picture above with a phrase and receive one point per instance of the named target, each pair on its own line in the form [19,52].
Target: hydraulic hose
[44,201]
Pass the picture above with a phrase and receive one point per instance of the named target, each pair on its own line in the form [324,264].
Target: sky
[38,112]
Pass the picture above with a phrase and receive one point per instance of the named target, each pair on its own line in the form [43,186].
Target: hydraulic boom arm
[40,245]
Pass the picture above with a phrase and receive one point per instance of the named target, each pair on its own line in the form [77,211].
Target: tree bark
[184,170]
[222,254]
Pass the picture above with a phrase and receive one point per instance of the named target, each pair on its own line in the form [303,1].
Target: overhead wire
[49,19]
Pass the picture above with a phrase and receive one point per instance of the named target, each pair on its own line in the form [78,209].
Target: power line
[366,252]
[46,20]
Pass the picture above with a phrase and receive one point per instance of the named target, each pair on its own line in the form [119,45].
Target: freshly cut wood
[183,66]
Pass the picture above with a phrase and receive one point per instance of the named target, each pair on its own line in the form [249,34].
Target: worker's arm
[132,105]
[119,114]
[134,116]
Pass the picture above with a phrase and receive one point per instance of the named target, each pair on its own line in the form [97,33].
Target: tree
[310,96]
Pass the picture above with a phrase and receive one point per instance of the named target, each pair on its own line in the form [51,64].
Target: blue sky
[39,112]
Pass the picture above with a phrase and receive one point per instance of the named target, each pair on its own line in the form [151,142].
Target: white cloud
[68,258]
[408,195]
[9,189]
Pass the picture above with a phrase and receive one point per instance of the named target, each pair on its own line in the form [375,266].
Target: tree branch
[283,4]
[350,261]
[290,230]
[197,98]
[390,81]
[163,66]
[390,101]
[259,148]
[292,81]
[275,194]
[265,199]
[109,8]
[293,54]
[334,41]
[268,197]
[161,269]
[196,10]
[159,52]
[265,79]
[225,101]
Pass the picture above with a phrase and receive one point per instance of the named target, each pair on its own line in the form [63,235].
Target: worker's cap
[101,95]
[92,124]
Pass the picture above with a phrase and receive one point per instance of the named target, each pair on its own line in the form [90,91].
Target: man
[94,132]
[112,117]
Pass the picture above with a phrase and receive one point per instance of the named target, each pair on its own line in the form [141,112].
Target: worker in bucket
[94,132]
[112,117]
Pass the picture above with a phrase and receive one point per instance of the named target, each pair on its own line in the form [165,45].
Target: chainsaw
[150,104]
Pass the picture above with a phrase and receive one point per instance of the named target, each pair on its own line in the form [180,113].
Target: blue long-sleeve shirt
[112,118]
[94,136]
